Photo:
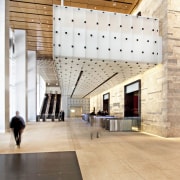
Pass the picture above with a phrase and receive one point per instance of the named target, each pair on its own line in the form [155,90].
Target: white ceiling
[95,72]
[47,70]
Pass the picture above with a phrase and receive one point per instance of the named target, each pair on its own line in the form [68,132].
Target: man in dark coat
[17,124]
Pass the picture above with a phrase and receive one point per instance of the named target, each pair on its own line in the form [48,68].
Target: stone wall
[78,102]
[153,100]
[168,11]
[156,121]
[173,67]
[160,86]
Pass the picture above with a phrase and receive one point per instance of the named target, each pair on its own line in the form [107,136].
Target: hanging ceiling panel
[36,15]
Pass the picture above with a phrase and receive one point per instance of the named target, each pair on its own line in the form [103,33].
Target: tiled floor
[113,156]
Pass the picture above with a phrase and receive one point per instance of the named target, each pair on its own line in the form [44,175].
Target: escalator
[44,106]
[51,105]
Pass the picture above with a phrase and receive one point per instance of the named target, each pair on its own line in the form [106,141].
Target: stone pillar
[173,67]
[4,66]
[166,123]
[62,2]
[32,89]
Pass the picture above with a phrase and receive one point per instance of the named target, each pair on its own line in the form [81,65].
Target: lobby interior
[46,52]
[115,155]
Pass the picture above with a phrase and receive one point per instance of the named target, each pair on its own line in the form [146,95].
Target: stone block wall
[160,86]
[153,100]
[173,67]
[168,11]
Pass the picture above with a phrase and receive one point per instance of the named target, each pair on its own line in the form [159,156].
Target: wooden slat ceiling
[35,16]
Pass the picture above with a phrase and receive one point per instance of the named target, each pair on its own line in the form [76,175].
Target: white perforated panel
[83,33]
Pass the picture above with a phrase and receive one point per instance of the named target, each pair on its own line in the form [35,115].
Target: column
[64,104]
[21,71]
[173,67]
[4,66]
[41,90]
[31,66]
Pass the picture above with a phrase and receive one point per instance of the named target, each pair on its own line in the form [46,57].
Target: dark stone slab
[40,166]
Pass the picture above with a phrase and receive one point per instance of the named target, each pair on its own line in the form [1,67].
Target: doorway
[132,100]
[106,100]
[132,104]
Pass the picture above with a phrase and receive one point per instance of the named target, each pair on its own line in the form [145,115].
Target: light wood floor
[113,156]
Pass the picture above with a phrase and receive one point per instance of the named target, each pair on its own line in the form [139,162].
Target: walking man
[17,124]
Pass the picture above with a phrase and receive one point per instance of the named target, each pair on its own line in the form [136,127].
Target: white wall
[12,74]
[20,59]
[53,90]
[4,65]
[32,85]
[41,90]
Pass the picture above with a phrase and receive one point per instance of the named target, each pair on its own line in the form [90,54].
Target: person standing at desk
[62,115]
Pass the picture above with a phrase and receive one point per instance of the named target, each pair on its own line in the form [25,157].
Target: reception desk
[112,123]
[124,124]
[120,125]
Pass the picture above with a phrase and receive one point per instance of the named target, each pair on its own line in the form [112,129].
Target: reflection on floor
[40,166]
[115,155]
